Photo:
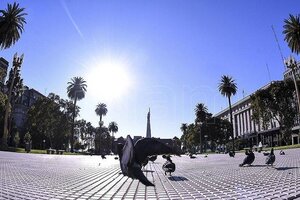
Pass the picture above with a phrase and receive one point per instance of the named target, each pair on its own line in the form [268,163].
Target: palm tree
[201,116]
[76,91]
[201,112]
[113,128]
[11,25]
[183,128]
[228,87]
[292,33]
[101,110]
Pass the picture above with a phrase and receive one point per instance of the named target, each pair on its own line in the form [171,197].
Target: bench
[50,151]
[60,152]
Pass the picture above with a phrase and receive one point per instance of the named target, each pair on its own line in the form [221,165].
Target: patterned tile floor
[33,176]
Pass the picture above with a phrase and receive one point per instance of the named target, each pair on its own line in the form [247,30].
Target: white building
[245,127]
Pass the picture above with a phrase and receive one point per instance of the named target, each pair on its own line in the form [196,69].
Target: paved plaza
[36,176]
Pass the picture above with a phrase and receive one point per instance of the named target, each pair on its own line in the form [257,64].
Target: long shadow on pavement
[177,178]
[285,168]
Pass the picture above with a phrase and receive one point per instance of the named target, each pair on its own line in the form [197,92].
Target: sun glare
[108,80]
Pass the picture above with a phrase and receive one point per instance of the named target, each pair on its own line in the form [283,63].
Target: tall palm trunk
[100,133]
[73,125]
[231,121]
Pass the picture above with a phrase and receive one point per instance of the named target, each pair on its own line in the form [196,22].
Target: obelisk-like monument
[148,133]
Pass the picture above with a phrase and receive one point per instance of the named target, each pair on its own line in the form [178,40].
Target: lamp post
[44,144]
[292,64]
[17,62]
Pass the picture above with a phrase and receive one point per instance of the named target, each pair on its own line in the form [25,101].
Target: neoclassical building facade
[245,127]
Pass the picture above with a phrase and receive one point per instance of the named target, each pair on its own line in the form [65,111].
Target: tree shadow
[177,178]
[146,170]
[285,168]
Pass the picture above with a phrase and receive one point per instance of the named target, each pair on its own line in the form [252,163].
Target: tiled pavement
[29,176]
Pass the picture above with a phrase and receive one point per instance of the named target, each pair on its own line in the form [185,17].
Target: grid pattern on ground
[29,176]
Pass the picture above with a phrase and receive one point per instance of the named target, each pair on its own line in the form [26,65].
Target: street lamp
[44,147]
[292,64]
[17,62]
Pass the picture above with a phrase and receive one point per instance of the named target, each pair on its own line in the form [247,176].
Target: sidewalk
[33,176]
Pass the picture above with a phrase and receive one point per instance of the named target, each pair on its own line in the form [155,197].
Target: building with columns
[246,128]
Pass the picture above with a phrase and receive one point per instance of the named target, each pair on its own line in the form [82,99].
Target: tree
[261,113]
[183,128]
[201,112]
[12,22]
[16,139]
[201,117]
[292,33]
[27,138]
[90,134]
[76,91]
[102,140]
[46,120]
[227,87]
[277,102]
[113,128]
[101,110]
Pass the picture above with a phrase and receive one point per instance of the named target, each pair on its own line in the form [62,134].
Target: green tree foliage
[27,137]
[48,121]
[201,113]
[103,140]
[217,130]
[277,102]
[91,131]
[261,114]
[12,22]
[17,139]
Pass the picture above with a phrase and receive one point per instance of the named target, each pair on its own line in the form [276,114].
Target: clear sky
[168,55]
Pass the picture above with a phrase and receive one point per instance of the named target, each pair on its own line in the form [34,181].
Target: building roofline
[242,100]
[3,60]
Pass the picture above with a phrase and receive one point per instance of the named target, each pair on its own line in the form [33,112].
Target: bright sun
[108,80]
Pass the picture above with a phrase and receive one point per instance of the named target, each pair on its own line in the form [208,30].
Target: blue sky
[167,55]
